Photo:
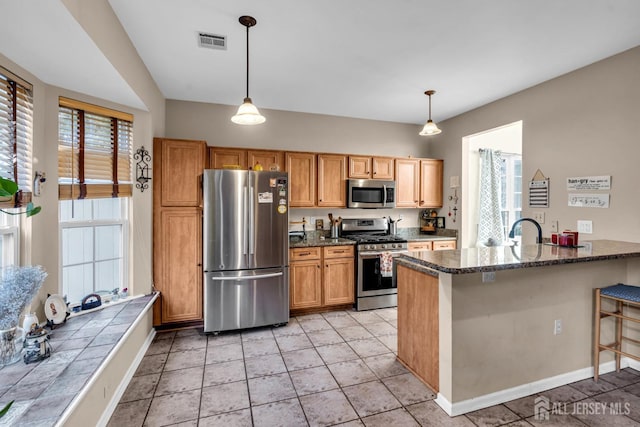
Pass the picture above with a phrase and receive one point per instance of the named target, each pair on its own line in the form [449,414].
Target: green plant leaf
[31,210]
[7,187]
[6,409]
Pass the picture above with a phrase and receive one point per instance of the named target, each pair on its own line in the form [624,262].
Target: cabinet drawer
[444,245]
[338,252]
[420,246]
[297,254]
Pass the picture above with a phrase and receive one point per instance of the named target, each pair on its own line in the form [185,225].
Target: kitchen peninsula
[480,325]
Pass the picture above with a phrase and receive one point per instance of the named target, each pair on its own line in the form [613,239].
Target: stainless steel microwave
[371,193]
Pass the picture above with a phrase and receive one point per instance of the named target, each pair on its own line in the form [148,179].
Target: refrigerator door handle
[245,216]
[252,242]
[244,278]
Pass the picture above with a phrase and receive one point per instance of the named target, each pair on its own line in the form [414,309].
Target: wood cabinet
[338,276]
[268,159]
[365,167]
[420,246]
[444,245]
[407,183]
[321,277]
[302,179]
[180,264]
[332,186]
[418,324]
[431,183]
[177,229]
[305,278]
[431,245]
[180,171]
[220,157]
[419,183]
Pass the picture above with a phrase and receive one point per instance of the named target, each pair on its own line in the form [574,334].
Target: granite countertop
[316,240]
[474,260]
[413,234]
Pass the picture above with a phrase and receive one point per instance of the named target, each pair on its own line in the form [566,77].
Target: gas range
[371,234]
[374,242]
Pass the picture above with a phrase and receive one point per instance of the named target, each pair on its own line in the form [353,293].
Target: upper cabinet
[180,171]
[407,183]
[221,157]
[269,160]
[431,183]
[302,179]
[418,183]
[332,174]
[364,167]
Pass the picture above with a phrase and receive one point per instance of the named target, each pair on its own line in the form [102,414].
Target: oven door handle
[369,255]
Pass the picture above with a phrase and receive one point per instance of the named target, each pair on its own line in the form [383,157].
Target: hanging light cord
[429,107]
[247,61]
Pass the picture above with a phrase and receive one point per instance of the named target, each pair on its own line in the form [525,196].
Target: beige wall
[580,124]
[285,130]
[500,334]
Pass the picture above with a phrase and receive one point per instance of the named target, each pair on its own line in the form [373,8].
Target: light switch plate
[539,217]
[585,226]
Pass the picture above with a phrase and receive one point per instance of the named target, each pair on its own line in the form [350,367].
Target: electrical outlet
[585,226]
[488,276]
[400,216]
[557,327]
[539,217]
[554,226]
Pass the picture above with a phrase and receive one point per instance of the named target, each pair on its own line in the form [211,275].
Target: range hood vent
[212,41]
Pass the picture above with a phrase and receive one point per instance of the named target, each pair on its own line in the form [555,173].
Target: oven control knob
[383,246]
[393,246]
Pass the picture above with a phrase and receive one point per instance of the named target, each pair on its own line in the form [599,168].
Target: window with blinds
[94,151]
[16,132]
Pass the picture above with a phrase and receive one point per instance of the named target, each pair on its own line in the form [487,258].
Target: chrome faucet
[513,227]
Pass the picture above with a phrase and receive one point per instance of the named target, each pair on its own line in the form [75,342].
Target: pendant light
[430,128]
[248,113]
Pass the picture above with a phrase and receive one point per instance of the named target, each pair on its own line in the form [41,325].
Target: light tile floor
[336,368]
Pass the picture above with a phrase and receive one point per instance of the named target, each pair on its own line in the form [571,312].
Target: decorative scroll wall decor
[143,159]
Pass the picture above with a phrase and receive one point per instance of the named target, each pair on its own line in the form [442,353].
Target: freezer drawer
[245,299]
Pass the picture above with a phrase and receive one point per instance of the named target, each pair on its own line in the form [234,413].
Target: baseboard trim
[502,396]
[122,387]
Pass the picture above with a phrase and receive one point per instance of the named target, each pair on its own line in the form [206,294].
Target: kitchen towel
[386,264]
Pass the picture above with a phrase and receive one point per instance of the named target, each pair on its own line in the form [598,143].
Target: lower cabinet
[431,245]
[321,277]
[179,268]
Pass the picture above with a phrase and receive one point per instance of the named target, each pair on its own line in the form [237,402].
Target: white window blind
[16,131]
[94,151]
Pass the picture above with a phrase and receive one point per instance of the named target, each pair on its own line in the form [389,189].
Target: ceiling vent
[212,41]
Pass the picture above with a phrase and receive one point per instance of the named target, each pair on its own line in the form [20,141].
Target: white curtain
[490,227]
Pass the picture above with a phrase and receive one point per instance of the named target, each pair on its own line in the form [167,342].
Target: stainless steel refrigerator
[246,249]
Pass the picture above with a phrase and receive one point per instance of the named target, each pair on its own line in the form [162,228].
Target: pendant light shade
[430,128]
[248,113]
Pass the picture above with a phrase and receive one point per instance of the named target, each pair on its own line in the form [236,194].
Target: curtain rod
[480,150]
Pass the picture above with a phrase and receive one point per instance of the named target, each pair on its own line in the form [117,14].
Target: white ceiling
[358,58]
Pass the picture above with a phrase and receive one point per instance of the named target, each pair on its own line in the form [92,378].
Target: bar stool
[622,295]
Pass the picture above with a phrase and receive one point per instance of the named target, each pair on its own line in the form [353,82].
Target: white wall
[580,124]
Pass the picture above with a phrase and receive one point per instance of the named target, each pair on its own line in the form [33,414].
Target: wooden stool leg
[619,309]
[596,340]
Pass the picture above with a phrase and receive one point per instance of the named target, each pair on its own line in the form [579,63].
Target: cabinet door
[219,157]
[383,168]
[444,245]
[180,273]
[407,183]
[430,183]
[339,281]
[181,167]
[332,187]
[302,179]
[305,285]
[420,246]
[270,160]
[359,167]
